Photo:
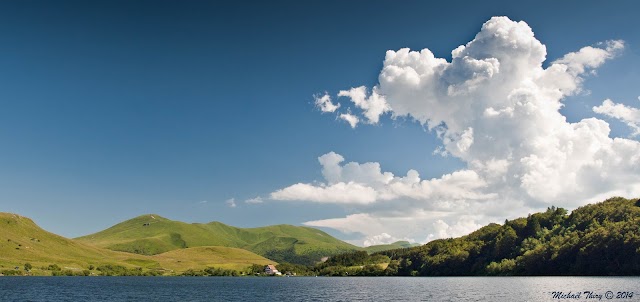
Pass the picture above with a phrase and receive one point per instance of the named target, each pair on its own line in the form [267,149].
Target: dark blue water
[315,289]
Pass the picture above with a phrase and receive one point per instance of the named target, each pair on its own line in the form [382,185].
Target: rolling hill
[209,256]
[22,241]
[152,234]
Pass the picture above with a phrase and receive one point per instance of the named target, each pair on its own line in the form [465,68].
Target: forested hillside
[598,239]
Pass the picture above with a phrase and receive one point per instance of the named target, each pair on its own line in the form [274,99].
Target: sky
[373,120]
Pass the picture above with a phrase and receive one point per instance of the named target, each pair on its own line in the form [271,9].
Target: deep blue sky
[113,109]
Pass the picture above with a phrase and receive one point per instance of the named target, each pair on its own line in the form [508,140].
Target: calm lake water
[316,289]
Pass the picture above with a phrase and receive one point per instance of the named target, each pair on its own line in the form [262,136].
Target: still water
[319,289]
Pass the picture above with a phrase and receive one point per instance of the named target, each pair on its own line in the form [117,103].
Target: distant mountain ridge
[391,246]
[153,234]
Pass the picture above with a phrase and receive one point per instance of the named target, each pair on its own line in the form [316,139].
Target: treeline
[358,263]
[289,256]
[598,239]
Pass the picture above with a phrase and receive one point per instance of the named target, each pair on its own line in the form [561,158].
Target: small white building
[271,270]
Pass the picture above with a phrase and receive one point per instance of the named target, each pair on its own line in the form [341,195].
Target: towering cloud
[495,107]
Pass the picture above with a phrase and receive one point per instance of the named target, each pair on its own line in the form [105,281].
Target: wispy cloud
[350,118]
[254,200]
[231,202]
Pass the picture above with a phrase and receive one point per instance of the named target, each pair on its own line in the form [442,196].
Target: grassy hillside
[152,234]
[385,247]
[210,256]
[22,241]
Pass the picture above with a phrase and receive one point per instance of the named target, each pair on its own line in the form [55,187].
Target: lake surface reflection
[319,289]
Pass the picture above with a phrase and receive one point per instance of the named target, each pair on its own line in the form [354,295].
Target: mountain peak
[152,234]
[151,216]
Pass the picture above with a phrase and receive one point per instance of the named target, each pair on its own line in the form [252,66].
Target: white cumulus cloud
[384,238]
[350,118]
[626,114]
[337,193]
[373,105]
[324,103]
[365,183]
[495,107]
[463,226]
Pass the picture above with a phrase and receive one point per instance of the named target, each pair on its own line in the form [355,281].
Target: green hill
[22,241]
[392,246]
[152,234]
[197,258]
[598,239]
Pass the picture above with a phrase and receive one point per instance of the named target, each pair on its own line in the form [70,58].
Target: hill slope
[22,241]
[152,234]
[210,256]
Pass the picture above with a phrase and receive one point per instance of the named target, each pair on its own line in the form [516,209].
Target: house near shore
[271,270]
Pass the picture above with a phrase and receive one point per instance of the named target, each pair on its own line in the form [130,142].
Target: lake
[319,289]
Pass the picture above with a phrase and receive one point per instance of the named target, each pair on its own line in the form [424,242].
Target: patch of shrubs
[69,272]
[210,271]
[119,270]
[11,272]
[54,267]
[104,270]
